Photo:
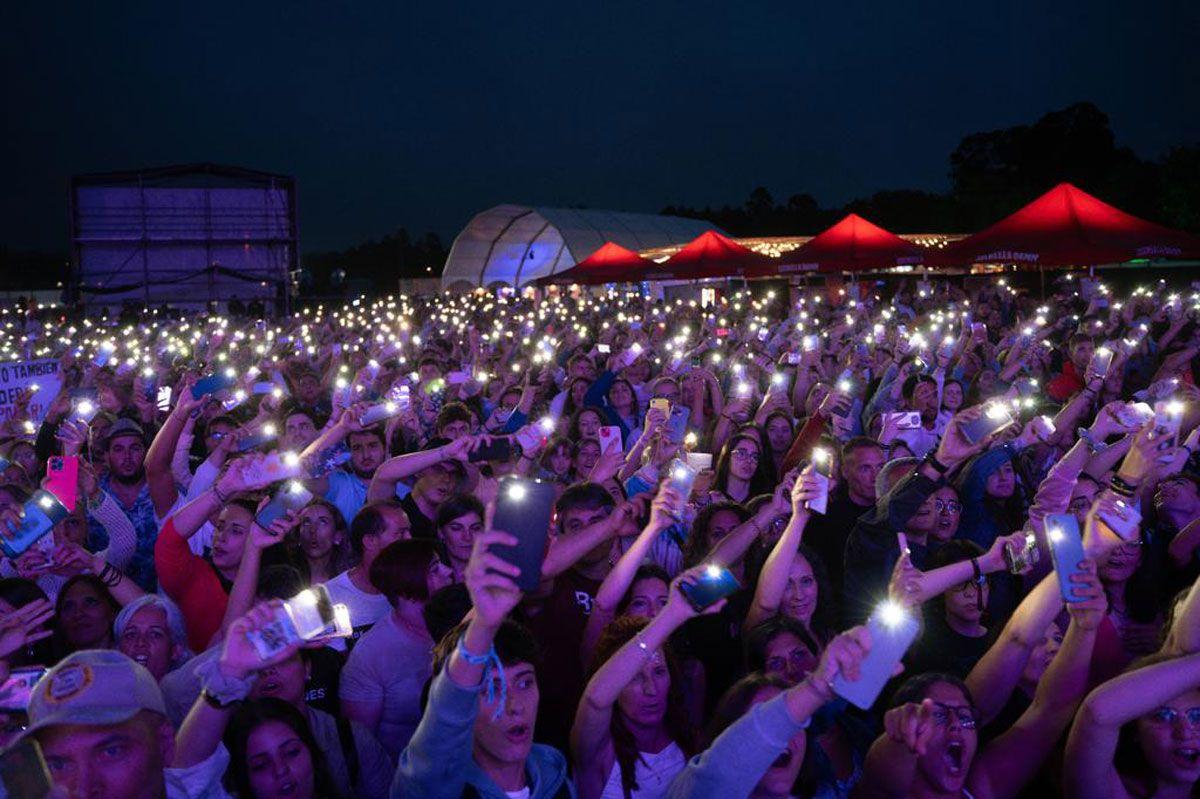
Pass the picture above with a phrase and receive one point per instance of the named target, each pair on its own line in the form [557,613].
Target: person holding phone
[930,744]
[631,735]
[757,737]
[477,729]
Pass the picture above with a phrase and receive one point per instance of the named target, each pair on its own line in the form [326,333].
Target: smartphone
[292,496]
[610,440]
[62,479]
[266,387]
[211,384]
[16,690]
[457,378]
[905,420]
[714,584]
[85,408]
[893,630]
[1066,550]
[809,343]
[681,477]
[265,435]
[1017,559]
[529,438]
[1126,528]
[1101,360]
[163,399]
[676,427]
[698,461]
[994,419]
[660,404]
[499,450]
[794,358]
[104,354]
[23,770]
[41,513]
[377,413]
[1167,417]
[822,464]
[273,468]
[603,349]
[524,509]
[308,615]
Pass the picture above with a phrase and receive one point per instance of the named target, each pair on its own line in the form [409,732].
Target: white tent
[512,244]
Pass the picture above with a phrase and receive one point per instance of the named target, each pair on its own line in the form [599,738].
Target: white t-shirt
[365,609]
[388,667]
[654,772]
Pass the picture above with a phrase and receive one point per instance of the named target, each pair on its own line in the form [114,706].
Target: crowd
[931,539]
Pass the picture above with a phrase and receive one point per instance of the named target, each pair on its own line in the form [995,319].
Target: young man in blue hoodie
[475,738]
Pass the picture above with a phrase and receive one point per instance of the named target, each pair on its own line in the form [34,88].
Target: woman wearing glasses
[1134,581]
[949,511]
[930,745]
[741,472]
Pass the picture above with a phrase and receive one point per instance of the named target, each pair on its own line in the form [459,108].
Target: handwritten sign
[16,376]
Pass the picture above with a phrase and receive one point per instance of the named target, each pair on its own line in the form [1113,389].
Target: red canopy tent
[1069,227]
[852,245]
[712,255]
[612,263]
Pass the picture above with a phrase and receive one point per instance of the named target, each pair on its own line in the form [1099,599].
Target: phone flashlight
[517,492]
[892,614]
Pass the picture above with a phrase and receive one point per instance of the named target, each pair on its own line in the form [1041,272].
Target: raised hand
[490,579]
[238,657]
[842,657]
[23,626]
[1090,610]
[678,606]
[912,725]
[806,488]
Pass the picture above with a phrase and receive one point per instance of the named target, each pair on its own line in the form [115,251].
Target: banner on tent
[15,376]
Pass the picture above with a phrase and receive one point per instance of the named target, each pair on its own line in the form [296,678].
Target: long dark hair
[760,481]
[619,632]
[699,543]
[249,717]
[62,645]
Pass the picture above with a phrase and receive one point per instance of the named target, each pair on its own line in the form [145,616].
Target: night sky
[420,116]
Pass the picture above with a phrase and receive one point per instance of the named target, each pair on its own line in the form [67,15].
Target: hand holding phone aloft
[890,631]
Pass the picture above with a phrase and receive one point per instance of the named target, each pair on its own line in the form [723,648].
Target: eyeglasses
[1169,715]
[947,505]
[963,716]
[746,455]
[974,584]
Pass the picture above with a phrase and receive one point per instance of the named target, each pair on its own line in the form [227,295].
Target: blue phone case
[677,423]
[42,512]
[681,477]
[285,499]
[710,588]
[889,642]
[211,384]
[1066,550]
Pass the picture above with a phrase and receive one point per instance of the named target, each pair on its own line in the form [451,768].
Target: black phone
[23,770]
[499,450]
[524,509]
[714,584]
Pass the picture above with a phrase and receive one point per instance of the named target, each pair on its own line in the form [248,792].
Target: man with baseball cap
[125,456]
[100,720]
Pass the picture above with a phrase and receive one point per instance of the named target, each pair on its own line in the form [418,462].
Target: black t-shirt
[422,525]
[941,649]
[827,534]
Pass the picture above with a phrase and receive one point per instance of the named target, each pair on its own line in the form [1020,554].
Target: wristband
[978,571]
[220,690]
[1094,446]
[935,464]
[1121,487]
[490,660]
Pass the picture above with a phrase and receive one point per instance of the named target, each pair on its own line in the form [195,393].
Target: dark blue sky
[420,116]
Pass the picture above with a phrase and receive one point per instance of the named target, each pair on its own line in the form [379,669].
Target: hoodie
[437,763]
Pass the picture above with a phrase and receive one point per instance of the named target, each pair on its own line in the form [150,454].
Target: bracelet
[1121,487]
[935,464]
[110,576]
[978,571]
[489,661]
[1094,446]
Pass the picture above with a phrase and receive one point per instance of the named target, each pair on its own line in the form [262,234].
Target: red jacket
[193,583]
[1065,385]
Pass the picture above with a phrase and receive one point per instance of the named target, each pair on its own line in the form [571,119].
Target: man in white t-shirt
[374,527]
